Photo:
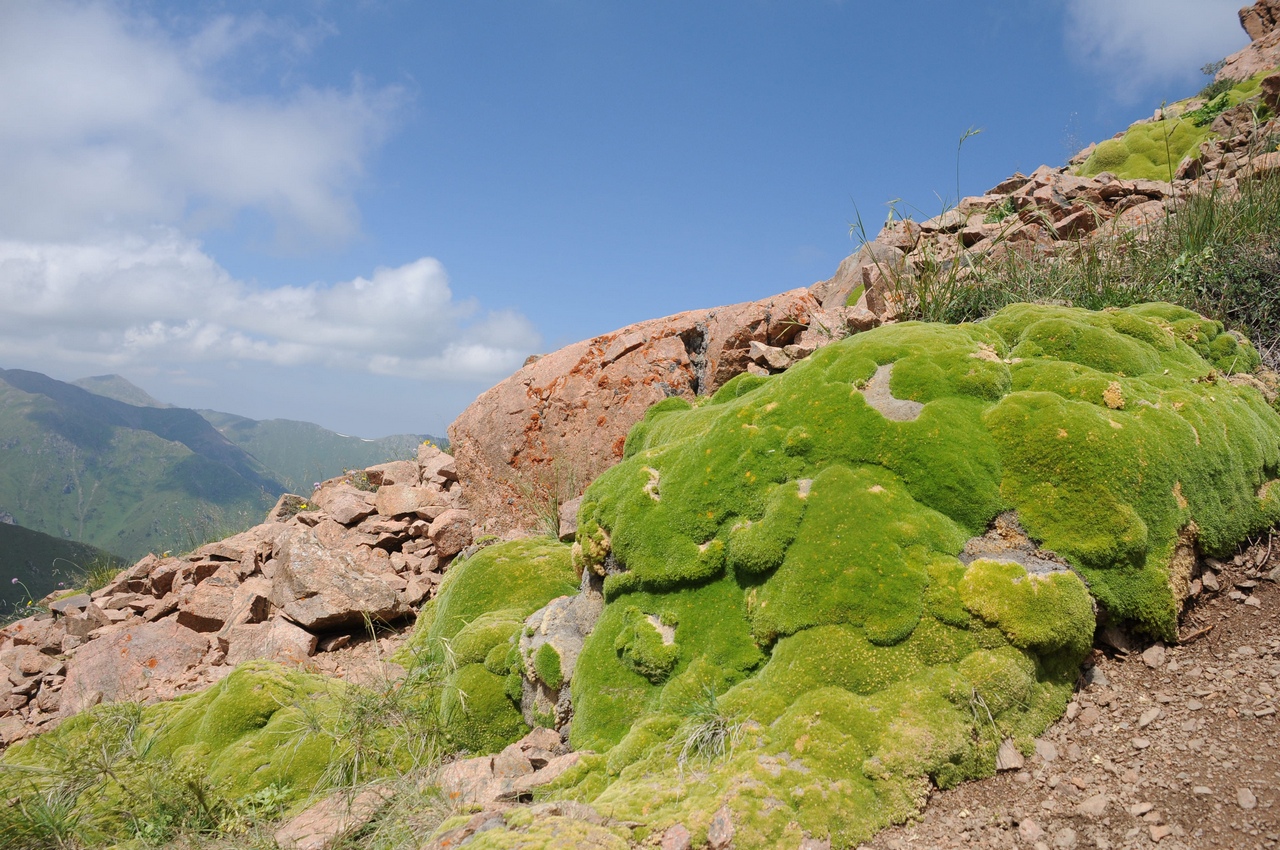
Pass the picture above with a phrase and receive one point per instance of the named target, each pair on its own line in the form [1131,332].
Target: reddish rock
[344,503]
[251,602]
[1260,19]
[436,464]
[395,472]
[720,832]
[326,823]
[208,607]
[547,431]
[137,663]
[403,499]
[320,588]
[44,633]
[853,272]
[275,640]
[450,532]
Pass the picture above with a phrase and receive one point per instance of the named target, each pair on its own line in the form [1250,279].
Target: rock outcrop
[813,585]
[1263,52]
[367,547]
[543,434]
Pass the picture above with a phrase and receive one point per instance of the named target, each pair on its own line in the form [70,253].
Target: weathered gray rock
[564,623]
[320,588]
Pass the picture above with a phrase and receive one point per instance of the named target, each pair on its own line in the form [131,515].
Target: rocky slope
[365,547]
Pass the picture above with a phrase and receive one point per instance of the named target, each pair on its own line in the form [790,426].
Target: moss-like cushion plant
[482,604]
[123,769]
[804,545]
[1153,150]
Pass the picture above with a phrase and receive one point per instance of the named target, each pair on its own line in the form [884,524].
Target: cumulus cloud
[132,301]
[111,122]
[123,137]
[1139,43]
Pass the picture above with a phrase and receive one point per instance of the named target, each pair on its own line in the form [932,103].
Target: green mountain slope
[301,453]
[33,565]
[127,479]
[120,389]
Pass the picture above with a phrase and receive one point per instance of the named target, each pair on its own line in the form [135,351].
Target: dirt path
[1175,748]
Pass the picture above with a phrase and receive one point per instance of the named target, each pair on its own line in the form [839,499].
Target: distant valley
[101,462]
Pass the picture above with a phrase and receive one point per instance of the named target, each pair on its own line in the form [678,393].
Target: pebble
[1193,705]
[1153,656]
[1029,830]
[1140,809]
[1140,743]
[1253,602]
[1160,831]
[1210,582]
[1089,715]
[1202,790]
[1148,717]
[1046,750]
[1246,798]
[1065,838]
[1094,806]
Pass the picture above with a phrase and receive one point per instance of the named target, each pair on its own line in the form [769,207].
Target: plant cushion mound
[469,626]
[805,548]
[1153,150]
[257,730]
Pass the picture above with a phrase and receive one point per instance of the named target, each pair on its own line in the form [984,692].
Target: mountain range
[101,462]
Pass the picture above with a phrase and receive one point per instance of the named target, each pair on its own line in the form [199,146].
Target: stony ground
[1175,747]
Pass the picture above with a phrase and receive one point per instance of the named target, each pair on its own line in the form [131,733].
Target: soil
[1175,747]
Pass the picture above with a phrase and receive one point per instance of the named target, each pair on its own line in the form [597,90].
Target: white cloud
[120,139]
[129,302]
[1140,43]
[108,123]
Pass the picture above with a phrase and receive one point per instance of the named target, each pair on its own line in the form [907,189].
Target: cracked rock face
[546,432]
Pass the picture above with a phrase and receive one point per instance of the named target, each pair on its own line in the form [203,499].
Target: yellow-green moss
[470,626]
[807,546]
[1153,150]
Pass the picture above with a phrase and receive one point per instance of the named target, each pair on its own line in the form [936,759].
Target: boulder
[450,532]
[853,271]
[543,434]
[344,503]
[275,640]
[395,472]
[320,588]
[1262,53]
[209,604]
[563,624]
[138,663]
[1260,19]
[435,463]
[403,499]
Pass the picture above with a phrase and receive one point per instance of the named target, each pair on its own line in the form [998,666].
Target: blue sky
[364,213]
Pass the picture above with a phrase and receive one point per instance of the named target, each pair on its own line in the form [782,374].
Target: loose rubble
[367,548]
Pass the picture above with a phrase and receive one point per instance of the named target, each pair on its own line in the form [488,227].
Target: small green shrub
[546,663]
